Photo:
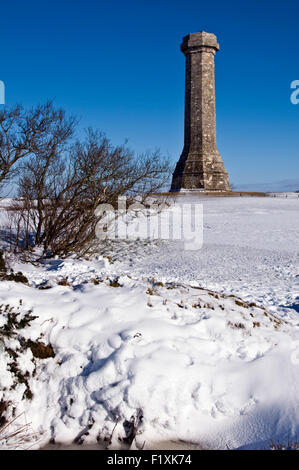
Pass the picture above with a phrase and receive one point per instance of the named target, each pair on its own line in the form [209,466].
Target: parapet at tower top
[196,41]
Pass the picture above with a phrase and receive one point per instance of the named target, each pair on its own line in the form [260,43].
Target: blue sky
[118,66]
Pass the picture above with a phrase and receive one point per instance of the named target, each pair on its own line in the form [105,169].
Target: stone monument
[200,166]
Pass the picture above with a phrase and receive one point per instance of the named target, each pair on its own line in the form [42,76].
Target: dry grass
[16,435]
[291,445]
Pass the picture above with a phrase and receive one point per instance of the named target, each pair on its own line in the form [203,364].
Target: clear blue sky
[118,65]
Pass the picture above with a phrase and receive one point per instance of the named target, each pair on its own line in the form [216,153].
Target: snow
[194,346]
[251,248]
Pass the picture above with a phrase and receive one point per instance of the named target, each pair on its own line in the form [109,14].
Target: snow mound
[138,361]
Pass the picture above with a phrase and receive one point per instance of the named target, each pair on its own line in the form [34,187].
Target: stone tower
[200,166]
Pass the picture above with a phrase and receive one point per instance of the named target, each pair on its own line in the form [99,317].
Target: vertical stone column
[200,166]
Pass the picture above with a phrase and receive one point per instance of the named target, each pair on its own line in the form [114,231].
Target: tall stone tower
[200,166]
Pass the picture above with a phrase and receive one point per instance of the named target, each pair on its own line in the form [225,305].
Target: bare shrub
[60,191]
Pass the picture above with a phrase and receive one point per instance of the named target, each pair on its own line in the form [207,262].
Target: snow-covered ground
[195,346]
[251,248]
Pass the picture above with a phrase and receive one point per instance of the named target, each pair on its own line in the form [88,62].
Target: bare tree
[61,189]
[41,130]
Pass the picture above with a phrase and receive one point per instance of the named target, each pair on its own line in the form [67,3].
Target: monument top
[195,41]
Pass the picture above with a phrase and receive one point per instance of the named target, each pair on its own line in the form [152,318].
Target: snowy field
[155,344]
[251,248]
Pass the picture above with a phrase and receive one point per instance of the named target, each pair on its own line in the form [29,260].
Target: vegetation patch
[40,350]
[20,378]
[44,286]
[3,407]
[240,303]
[14,344]
[3,268]
[12,276]
[114,283]
[14,320]
[290,445]
[236,325]
[152,291]
[63,282]
[158,284]
[16,277]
